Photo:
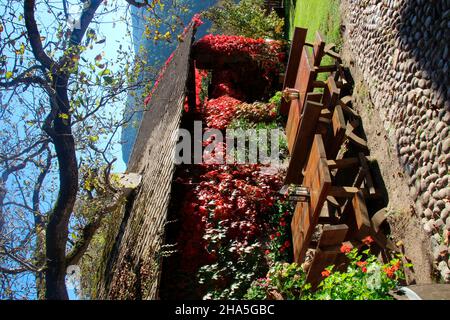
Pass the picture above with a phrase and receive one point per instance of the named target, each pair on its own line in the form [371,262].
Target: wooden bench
[324,196]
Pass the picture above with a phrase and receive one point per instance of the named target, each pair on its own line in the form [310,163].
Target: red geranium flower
[346,248]
[278,234]
[287,244]
[326,273]
[367,240]
[389,272]
[361,264]
[267,252]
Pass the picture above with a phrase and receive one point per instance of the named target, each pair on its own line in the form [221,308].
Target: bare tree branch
[34,37]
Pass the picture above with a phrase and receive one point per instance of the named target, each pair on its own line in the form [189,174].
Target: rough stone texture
[132,265]
[401,48]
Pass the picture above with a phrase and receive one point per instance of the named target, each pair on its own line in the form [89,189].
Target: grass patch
[317,15]
[289,21]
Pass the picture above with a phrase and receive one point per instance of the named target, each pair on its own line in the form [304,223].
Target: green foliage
[364,279]
[244,124]
[246,18]
[242,264]
[319,15]
[276,99]
[322,16]
[204,87]
[280,247]
[287,280]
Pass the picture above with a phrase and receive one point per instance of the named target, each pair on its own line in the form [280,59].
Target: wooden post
[306,216]
[318,49]
[304,136]
[295,53]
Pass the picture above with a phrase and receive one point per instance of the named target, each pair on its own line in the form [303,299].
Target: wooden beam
[295,54]
[326,252]
[318,49]
[367,174]
[343,192]
[303,141]
[343,163]
[306,216]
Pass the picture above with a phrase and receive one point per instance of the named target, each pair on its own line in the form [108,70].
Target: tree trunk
[57,227]
[39,254]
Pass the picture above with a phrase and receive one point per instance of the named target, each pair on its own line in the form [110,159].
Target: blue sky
[114,27]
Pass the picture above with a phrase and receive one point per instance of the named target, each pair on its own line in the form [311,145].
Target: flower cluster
[392,268]
[197,21]
[231,45]
[284,280]
[257,112]
[200,76]
[279,245]
[362,280]
[224,207]
[220,112]
[227,212]
[268,55]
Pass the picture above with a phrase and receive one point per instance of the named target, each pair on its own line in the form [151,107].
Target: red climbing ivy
[219,112]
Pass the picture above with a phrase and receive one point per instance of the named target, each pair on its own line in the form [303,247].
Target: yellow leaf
[64,116]
[93,138]
[8,75]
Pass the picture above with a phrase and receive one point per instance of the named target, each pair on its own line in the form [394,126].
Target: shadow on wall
[424,32]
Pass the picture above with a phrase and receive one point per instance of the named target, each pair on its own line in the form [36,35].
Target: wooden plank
[292,124]
[337,138]
[318,84]
[304,84]
[343,163]
[357,218]
[318,181]
[329,68]
[343,192]
[305,136]
[331,94]
[326,253]
[293,64]
[367,174]
[378,219]
[345,102]
[295,115]
[318,49]
[353,138]
[306,75]
[333,235]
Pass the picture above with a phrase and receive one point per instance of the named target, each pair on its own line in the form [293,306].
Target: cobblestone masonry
[402,49]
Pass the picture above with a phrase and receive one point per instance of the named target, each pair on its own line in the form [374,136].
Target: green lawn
[316,15]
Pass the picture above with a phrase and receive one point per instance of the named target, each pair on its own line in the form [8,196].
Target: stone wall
[132,263]
[401,48]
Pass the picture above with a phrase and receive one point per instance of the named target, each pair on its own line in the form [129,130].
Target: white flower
[374,276]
